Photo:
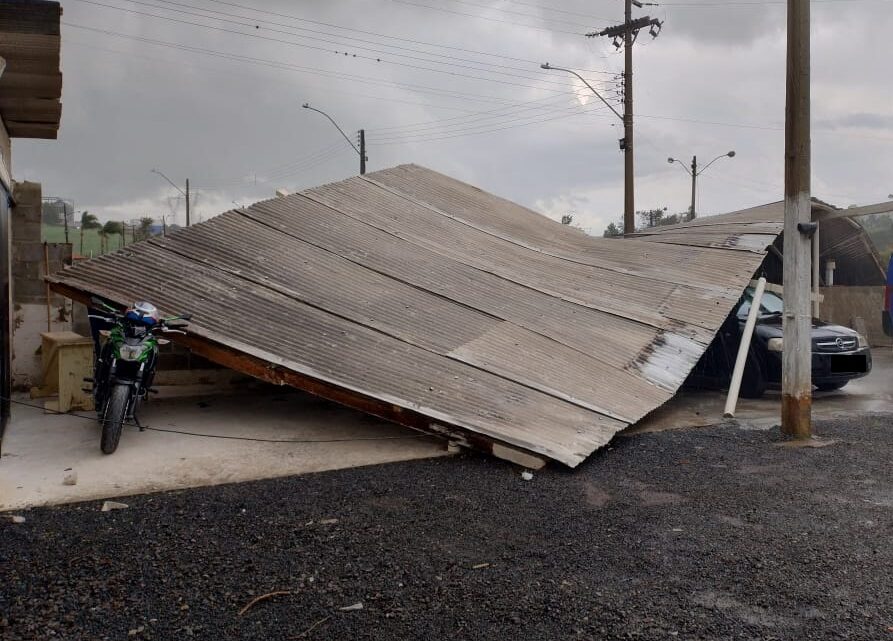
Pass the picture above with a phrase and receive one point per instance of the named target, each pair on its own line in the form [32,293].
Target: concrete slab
[700,408]
[41,450]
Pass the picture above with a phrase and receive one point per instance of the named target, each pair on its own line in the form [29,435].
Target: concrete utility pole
[362,136]
[361,150]
[694,173]
[629,31]
[796,377]
[177,187]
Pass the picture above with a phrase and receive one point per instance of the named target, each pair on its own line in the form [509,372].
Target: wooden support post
[796,377]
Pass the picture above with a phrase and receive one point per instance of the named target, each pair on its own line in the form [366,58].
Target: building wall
[843,303]
[32,315]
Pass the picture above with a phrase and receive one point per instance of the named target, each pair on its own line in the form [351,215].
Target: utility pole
[363,158]
[694,186]
[177,187]
[629,31]
[694,172]
[361,150]
[796,377]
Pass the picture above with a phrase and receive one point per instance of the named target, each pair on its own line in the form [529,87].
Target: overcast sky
[212,91]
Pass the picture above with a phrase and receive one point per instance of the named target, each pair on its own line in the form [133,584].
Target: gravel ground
[701,534]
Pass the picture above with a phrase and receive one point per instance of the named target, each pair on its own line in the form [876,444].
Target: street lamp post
[694,172]
[629,200]
[362,135]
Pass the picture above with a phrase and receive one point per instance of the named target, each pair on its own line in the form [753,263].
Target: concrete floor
[39,449]
[699,408]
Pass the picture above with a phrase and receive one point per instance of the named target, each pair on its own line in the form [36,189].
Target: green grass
[56,234]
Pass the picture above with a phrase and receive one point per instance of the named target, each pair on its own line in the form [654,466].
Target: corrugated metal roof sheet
[413,295]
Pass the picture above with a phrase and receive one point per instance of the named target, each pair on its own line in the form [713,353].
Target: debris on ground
[15,518]
[351,608]
[262,597]
[70,478]
[526,475]
[108,506]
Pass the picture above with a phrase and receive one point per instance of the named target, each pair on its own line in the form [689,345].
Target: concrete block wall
[842,303]
[29,292]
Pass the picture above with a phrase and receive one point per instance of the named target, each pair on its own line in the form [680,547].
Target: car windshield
[770,305]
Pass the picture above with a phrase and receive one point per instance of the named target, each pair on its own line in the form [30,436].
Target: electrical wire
[353,78]
[344,53]
[222,436]
[390,37]
[450,58]
[480,17]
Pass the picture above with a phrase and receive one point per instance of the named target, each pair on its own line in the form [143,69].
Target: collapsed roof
[424,300]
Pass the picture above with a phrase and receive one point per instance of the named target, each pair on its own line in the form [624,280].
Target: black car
[839,354]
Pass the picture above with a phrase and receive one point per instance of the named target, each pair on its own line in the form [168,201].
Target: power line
[390,37]
[488,131]
[344,53]
[353,78]
[479,17]
[527,70]
[470,127]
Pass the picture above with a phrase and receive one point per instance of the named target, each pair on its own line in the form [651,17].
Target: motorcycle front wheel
[113,419]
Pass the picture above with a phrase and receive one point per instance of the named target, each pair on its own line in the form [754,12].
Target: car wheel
[753,382]
[828,387]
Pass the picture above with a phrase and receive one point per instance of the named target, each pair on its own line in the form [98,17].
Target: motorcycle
[124,366]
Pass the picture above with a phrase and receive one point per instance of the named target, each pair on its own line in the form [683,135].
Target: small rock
[17,519]
[352,608]
[108,506]
[527,475]
[71,478]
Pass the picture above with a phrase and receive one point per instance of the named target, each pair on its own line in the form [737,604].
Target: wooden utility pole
[187,202]
[796,377]
[629,31]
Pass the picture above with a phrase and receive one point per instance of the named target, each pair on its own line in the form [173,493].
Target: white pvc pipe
[744,348]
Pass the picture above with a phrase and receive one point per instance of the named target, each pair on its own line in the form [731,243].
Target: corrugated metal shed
[422,299]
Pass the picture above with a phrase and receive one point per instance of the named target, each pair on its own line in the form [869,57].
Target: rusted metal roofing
[422,299]
[31,85]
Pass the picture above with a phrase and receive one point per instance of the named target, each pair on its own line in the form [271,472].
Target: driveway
[717,533]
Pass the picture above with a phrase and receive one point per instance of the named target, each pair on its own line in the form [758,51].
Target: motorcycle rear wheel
[113,419]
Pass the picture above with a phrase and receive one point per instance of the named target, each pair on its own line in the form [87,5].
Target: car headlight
[775,345]
[131,352]
[863,342]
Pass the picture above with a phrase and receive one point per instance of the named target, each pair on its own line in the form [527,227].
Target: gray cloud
[712,81]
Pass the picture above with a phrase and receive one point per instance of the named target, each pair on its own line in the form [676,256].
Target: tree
[613,231]
[111,228]
[651,217]
[145,228]
[88,221]
[567,219]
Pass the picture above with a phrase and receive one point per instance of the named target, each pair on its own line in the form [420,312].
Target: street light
[362,149]
[626,144]
[177,187]
[694,172]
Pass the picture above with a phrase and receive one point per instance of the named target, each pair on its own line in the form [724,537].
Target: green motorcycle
[124,366]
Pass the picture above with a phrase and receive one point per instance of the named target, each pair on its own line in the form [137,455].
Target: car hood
[770,327]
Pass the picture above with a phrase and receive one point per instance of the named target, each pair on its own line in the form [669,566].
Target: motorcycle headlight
[131,352]
[775,344]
